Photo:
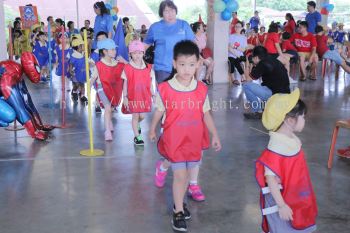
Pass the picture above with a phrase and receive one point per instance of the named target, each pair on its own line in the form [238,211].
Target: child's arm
[156,118]
[125,93]
[285,212]
[153,92]
[212,129]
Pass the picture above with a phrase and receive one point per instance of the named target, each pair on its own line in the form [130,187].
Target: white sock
[193,182]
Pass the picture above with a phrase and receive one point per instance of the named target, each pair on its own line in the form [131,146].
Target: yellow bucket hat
[77,42]
[277,107]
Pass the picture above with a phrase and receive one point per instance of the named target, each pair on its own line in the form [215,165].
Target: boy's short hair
[318,29]
[304,23]
[166,3]
[186,48]
[101,33]
[86,20]
[260,52]
[125,19]
[285,35]
[41,33]
[311,3]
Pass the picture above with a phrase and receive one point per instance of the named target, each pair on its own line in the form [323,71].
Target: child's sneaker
[178,222]
[195,192]
[98,109]
[187,213]
[108,135]
[83,99]
[138,141]
[75,96]
[160,176]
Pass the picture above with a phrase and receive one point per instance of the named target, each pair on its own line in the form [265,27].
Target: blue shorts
[333,55]
[185,165]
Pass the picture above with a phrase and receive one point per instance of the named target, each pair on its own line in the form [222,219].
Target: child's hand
[285,213]
[152,136]
[215,143]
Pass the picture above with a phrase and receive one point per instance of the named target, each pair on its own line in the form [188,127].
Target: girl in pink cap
[138,90]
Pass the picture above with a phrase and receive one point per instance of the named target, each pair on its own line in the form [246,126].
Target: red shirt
[322,47]
[271,40]
[253,40]
[262,38]
[290,27]
[304,43]
[233,24]
[287,45]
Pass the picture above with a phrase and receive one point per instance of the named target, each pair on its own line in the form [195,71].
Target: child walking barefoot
[185,129]
[287,198]
[138,90]
[107,74]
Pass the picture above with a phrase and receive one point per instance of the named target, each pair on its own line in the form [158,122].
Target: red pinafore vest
[139,89]
[297,189]
[112,83]
[185,134]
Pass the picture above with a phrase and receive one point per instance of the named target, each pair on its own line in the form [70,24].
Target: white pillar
[319,4]
[3,43]
[218,35]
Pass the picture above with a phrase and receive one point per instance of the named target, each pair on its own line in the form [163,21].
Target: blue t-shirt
[102,24]
[312,20]
[41,53]
[78,68]
[165,36]
[75,31]
[254,22]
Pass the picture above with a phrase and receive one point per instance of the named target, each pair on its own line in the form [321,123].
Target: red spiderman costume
[14,92]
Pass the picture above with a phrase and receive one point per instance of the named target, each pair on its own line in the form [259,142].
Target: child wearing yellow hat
[78,70]
[287,198]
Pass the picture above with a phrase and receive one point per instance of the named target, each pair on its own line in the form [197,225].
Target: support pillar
[3,43]
[218,38]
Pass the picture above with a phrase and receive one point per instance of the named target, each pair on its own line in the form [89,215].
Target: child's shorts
[334,56]
[185,165]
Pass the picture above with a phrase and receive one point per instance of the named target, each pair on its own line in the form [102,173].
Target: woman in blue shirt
[164,34]
[103,21]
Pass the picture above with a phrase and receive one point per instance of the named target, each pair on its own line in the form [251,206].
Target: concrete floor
[48,187]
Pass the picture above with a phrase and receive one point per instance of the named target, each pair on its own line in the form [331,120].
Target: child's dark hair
[298,110]
[125,19]
[285,35]
[101,33]
[41,33]
[273,27]
[304,23]
[195,26]
[318,29]
[186,48]
[69,24]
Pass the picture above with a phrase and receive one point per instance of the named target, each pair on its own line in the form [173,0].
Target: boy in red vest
[287,198]
[185,103]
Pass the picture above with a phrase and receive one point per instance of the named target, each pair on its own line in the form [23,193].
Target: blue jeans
[256,95]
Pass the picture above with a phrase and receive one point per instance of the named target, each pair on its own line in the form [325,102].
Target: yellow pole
[91,151]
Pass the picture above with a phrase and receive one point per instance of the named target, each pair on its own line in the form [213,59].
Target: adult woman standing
[103,21]
[290,24]
[164,34]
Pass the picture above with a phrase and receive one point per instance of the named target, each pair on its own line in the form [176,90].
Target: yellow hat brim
[277,107]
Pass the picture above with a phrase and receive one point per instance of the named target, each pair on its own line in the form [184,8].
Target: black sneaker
[138,141]
[83,99]
[179,222]
[139,128]
[347,63]
[206,82]
[75,96]
[253,115]
[98,109]
[187,213]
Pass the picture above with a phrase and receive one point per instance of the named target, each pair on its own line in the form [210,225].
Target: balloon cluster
[226,7]
[113,11]
[326,8]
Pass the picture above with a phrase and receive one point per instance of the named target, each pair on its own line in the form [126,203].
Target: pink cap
[135,46]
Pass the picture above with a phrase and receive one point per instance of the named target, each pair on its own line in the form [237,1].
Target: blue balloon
[226,1]
[108,6]
[7,114]
[226,15]
[330,7]
[115,17]
[232,6]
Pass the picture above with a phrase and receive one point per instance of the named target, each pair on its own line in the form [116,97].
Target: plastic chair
[339,124]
